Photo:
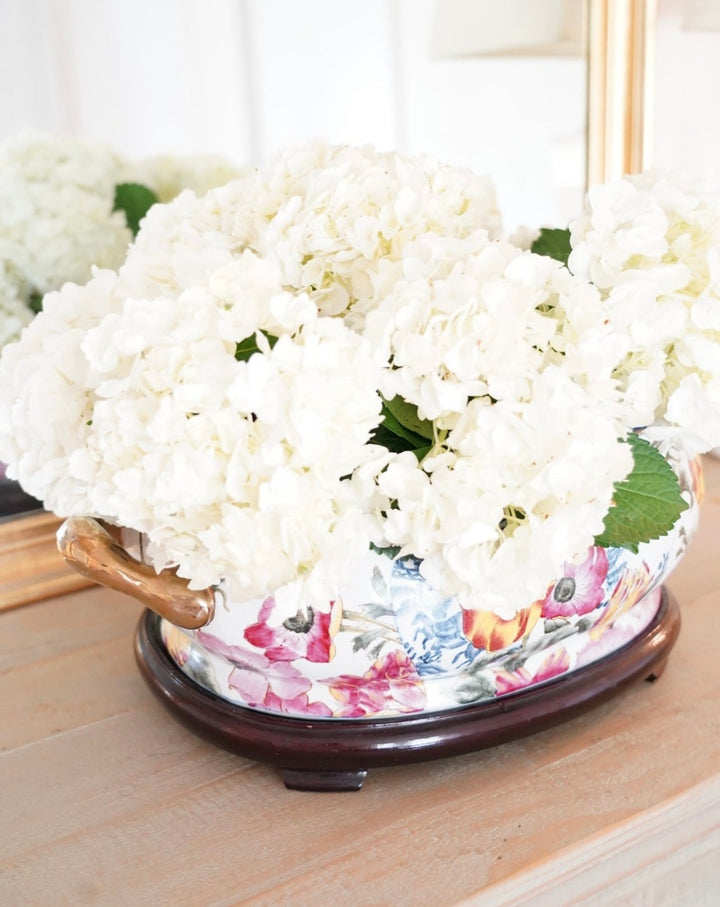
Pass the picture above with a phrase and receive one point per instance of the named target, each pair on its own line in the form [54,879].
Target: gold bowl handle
[88,547]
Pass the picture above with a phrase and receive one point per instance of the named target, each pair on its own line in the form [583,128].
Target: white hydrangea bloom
[137,410]
[480,324]
[164,431]
[513,357]
[651,243]
[338,219]
[185,242]
[338,222]
[56,212]
[493,523]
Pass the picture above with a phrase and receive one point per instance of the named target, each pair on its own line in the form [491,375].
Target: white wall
[241,77]
[687,92]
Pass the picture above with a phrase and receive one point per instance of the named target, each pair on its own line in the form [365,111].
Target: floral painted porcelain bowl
[389,645]
[343,351]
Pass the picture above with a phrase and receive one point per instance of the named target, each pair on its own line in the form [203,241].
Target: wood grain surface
[106,799]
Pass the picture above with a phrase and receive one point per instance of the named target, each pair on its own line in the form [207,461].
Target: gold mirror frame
[31,567]
[619,111]
[621,65]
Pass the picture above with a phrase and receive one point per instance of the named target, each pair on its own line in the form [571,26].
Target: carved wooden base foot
[657,671]
[323,781]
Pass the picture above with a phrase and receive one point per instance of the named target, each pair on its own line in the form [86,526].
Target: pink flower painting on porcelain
[260,683]
[555,664]
[392,685]
[306,634]
[580,589]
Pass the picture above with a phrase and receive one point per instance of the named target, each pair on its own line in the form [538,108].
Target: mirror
[687,72]
[497,87]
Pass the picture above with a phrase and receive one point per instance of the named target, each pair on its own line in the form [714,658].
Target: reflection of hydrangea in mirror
[58,217]
[651,244]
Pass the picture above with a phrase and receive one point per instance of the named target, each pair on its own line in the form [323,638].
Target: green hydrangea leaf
[553,243]
[406,415]
[391,424]
[135,200]
[248,346]
[393,436]
[646,504]
[396,443]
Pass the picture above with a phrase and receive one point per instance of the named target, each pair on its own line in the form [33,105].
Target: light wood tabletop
[106,799]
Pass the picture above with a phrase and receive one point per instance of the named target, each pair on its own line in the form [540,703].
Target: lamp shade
[472,28]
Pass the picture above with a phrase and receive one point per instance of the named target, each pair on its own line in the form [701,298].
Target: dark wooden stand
[335,754]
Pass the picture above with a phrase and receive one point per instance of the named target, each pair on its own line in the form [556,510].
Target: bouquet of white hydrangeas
[68,204]
[344,351]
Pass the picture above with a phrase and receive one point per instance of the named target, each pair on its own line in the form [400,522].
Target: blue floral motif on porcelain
[430,625]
